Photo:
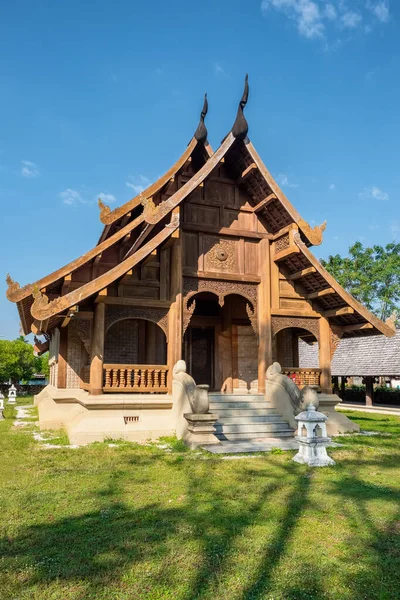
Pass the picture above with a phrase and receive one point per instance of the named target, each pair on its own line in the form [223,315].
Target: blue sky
[98,98]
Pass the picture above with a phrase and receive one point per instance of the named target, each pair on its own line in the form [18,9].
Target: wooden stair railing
[135,378]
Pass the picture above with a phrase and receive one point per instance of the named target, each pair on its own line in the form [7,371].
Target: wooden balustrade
[135,378]
[85,378]
[303,377]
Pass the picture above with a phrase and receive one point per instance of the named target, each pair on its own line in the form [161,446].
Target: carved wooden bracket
[309,324]
[221,289]
[336,336]
[116,313]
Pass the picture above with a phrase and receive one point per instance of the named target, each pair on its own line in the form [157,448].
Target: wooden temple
[212,264]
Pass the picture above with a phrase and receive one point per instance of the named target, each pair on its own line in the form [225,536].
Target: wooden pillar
[264,313]
[235,357]
[97,354]
[174,352]
[343,388]
[369,390]
[336,385]
[226,348]
[325,355]
[62,358]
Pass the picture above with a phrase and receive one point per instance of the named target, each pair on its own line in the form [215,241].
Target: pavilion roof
[370,356]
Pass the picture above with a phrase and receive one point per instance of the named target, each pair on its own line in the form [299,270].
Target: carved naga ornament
[105,210]
[13,286]
[240,127]
[313,234]
[201,132]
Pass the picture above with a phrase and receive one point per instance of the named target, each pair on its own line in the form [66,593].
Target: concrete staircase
[246,417]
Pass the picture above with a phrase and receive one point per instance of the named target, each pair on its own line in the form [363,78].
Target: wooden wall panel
[234,219]
[190,250]
[202,215]
[219,193]
[251,257]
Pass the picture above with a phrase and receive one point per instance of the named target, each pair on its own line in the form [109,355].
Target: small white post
[12,394]
[1,406]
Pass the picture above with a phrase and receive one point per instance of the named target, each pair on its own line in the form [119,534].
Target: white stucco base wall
[132,417]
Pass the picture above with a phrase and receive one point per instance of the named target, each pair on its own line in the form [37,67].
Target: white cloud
[332,186]
[375,193]
[138,183]
[283,180]
[29,169]
[305,13]
[380,10]
[395,229]
[330,12]
[107,198]
[317,18]
[72,197]
[351,19]
[219,69]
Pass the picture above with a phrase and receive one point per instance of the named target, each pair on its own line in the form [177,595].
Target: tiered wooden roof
[142,224]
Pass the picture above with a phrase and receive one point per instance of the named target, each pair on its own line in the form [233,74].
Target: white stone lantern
[12,394]
[1,406]
[312,438]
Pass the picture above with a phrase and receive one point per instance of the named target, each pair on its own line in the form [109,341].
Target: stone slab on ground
[253,445]
[383,410]
[256,445]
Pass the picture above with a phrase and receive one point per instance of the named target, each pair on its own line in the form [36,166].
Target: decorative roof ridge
[16,293]
[241,127]
[313,234]
[43,309]
[384,328]
[154,214]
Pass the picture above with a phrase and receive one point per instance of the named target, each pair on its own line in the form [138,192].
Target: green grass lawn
[130,522]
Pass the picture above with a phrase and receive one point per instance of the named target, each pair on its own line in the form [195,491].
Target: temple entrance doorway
[220,345]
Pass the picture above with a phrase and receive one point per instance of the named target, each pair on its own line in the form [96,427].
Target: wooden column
[264,312]
[343,388]
[96,363]
[226,348]
[336,386]
[325,355]
[62,358]
[369,391]
[174,352]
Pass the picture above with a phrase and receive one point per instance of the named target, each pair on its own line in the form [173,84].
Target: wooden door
[199,354]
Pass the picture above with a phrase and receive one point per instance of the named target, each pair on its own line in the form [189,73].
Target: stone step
[247,419]
[215,406]
[244,412]
[236,397]
[250,428]
[288,433]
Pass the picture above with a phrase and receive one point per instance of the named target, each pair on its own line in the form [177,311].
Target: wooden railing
[135,378]
[303,377]
[85,378]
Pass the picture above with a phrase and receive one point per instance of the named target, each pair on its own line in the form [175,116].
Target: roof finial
[201,131]
[240,126]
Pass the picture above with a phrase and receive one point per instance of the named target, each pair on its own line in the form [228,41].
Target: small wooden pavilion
[211,263]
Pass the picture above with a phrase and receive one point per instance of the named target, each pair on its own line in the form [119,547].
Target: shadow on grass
[99,547]
[360,499]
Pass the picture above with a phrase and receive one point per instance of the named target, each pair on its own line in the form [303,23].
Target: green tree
[42,364]
[371,275]
[17,360]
